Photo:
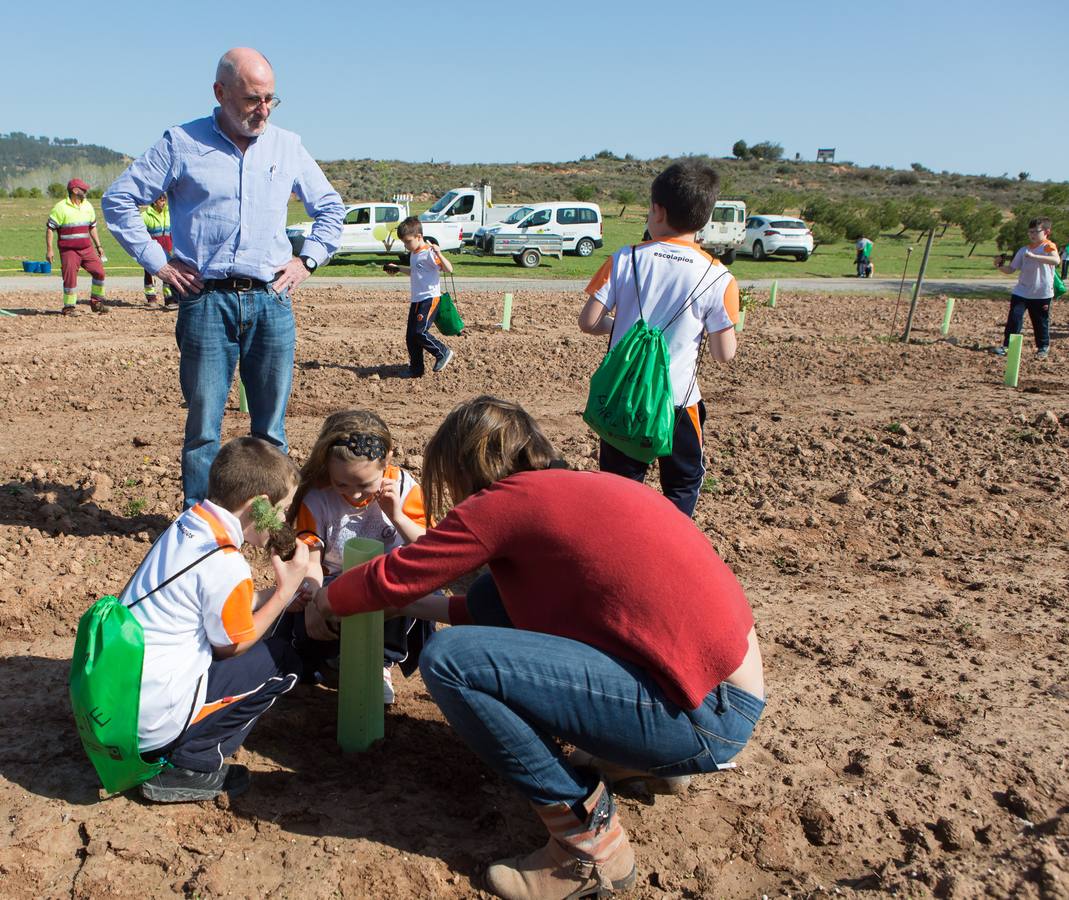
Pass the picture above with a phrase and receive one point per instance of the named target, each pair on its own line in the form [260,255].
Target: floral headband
[369,445]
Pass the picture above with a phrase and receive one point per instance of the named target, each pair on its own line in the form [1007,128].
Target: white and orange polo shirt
[1036,279]
[672,274]
[426,277]
[209,606]
[334,520]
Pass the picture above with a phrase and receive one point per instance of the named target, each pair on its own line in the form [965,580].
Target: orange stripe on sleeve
[237,613]
[307,527]
[601,278]
[731,301]
[413,506]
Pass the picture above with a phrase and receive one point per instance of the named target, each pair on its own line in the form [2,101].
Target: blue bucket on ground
[36,267]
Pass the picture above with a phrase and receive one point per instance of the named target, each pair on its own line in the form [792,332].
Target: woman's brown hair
[348,435]
[481,441]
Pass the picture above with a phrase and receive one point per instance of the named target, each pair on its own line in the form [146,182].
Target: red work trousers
[73,260]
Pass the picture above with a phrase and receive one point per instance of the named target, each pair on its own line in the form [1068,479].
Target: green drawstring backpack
[448,320]
[1059,285]
[630,403]
[105,688]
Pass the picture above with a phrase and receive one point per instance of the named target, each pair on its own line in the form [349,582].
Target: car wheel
[728,256]
[585,247]
[529,259]
[801,257]
[759,250]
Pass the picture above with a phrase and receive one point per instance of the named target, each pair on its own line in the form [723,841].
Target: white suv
[766,235]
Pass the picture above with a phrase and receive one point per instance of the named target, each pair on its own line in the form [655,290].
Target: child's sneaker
[177,785]
[152,300]
[388,695]
[170,304]
[69,310]
[98,307]
[1042,354]
[444,361]
[999,351]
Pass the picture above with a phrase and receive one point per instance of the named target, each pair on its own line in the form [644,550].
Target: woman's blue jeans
[510,693]
[217,330]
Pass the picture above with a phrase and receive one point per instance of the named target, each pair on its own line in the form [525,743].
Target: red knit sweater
[584,555]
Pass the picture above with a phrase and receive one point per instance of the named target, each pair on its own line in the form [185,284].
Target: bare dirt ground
[896,515]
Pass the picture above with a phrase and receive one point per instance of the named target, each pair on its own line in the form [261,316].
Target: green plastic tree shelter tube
[741,324]
[946,316]
[772,294]
[360,712]
[506,314]
[243,401]
[1013,360]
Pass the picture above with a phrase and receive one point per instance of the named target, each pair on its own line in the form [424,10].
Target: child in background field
[1034,290]
[683,290]
[349,488]
[207,675]
[863,258]
[425,266]
[157,219]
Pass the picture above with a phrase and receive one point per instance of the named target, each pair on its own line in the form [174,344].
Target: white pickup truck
[371,227]
[469,207]
[725,231]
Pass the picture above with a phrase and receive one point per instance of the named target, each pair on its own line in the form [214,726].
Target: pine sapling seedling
[282,539]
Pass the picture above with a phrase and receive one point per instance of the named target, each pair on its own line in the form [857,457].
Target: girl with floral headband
[350,488]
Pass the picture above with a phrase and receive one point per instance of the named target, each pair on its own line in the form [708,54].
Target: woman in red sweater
[607,620]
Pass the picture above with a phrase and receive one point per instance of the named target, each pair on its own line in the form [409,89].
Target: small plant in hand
[282,540]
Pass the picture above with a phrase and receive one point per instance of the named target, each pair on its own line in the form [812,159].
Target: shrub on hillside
[904,178]
[584,193]
[766,150]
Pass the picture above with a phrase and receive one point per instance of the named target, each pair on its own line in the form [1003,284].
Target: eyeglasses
[252,102]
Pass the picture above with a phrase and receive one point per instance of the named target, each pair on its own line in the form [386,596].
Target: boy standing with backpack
[673,285]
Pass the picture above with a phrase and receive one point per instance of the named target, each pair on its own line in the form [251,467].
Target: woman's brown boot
[582,858]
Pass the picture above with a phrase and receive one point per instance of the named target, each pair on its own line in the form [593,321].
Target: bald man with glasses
[228,179]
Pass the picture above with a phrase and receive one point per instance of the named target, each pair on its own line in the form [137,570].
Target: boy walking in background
[207,675]
[1034,290]
[679,288]
[426,263]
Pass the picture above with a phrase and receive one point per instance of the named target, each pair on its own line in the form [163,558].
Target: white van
[578,224]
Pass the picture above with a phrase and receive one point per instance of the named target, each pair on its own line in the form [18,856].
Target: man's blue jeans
[215,331]
[509,693]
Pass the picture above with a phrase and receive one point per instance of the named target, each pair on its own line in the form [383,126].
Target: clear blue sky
[890,83]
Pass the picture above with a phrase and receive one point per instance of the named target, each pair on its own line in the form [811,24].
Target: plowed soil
[897,516]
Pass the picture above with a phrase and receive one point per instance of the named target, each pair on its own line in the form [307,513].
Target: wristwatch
[309,263]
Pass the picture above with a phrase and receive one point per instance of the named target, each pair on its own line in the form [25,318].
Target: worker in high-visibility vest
[74,221]
[157,219]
